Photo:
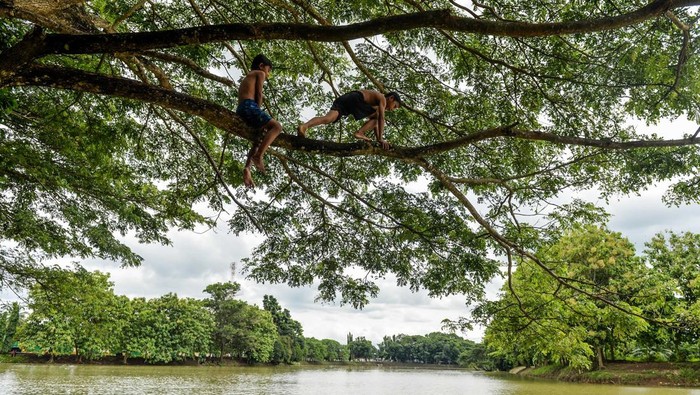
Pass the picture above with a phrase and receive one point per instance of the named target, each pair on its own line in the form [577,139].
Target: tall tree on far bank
[361,348]
[9,324]
[175,328]
[675,258]
[290,345]
[539,321]
[71,311]
[225,309]
[335,352]
[241,330]
[254,334]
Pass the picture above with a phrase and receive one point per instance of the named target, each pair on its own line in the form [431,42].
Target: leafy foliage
[434,348]
[538,321]
[72,310]
[290,344]
[127,134]
[9,320]
[361,348]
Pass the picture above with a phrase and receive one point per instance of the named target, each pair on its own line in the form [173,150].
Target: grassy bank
[628,373]
[73,360]
[114,360]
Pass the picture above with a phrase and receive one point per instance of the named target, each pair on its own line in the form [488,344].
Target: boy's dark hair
[260,58]
[396,97]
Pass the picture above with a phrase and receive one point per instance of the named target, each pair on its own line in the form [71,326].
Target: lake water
[191,380]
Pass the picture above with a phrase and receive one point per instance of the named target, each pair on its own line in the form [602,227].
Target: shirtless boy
[250,98]
[361,104]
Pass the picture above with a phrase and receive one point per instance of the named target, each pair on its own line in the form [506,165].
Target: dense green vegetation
[649,311]
[116,118]
[80,315]
[535,322]
[650,374]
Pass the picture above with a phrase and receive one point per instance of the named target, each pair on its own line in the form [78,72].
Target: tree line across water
[624,306]
[75,312]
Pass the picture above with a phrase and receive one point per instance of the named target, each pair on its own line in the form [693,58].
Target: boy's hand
[385,144]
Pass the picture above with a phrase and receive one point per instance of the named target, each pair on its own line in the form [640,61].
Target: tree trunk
[612,344]
[612,351]
[77,354]
[599,357]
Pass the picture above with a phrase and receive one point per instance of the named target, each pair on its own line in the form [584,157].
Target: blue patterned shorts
[252,114]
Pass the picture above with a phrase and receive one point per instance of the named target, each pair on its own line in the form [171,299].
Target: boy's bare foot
[257,161]
[247,178]
[301,131]
[361,136]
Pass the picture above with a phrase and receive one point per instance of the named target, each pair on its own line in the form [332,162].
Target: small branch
[682,55]
[373,207]
[191,65]
[139,4]
[310,191]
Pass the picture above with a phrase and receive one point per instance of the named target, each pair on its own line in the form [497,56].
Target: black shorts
[352,103]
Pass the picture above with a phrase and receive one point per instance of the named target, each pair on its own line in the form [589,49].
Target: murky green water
[82,379]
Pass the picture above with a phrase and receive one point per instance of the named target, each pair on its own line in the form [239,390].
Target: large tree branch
[437,19]
[227,120]
[83,81]
[510,131]
[219,116]
[65,16]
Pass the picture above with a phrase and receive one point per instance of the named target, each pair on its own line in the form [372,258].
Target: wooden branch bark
[436,19]
[227,120]
[21,53]
[78,80]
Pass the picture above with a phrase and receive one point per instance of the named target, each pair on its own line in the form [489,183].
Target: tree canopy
[117,118]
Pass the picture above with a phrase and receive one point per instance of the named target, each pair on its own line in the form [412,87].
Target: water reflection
[82,379]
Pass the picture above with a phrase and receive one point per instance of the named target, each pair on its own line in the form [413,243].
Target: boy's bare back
[251,86]
[373,98]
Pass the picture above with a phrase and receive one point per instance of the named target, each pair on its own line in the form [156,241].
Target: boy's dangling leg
[270,133]
[247,177]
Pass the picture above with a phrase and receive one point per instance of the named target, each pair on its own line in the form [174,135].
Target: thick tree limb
[509,131]
[21,53]
[439,19]
[78,80]
[227,120]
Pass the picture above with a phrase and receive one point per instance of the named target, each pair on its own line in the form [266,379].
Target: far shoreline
[110,360]
[643,374]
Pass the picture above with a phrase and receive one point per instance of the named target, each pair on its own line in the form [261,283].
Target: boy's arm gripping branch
[379,129]
[259,80]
